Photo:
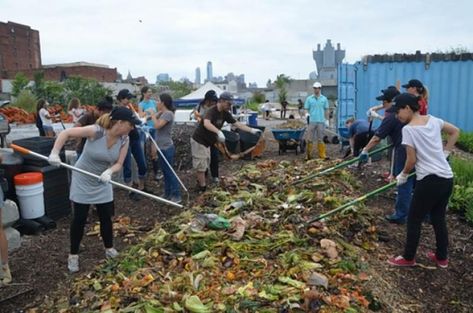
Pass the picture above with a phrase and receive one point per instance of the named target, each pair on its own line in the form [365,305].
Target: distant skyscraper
[209,71]
[327,60]
[162,77]
[197,76]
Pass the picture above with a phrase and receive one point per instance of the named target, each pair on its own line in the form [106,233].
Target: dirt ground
[39,267]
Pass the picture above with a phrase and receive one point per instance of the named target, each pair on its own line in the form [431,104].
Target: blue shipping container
[449,83]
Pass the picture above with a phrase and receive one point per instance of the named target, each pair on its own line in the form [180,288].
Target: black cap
[124,114]
[403,100]
[105,105]
[211,95]
[125,93]
[413,83]
[226,96]
[388,94]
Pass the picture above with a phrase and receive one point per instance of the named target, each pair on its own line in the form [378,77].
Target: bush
[462,197]
[465,141]
[463,170]
[26,100]
[253,106]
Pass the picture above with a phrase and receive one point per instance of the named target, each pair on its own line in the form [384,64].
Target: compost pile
[292,124]
[181,134]
[245,246]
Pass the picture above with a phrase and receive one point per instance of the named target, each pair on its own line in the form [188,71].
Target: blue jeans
[171,184]
[136,149]
[404,191]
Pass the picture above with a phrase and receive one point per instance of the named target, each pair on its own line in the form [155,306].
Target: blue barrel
[252,119]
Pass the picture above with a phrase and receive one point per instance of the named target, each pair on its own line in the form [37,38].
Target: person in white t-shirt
[426,152]
[46,119]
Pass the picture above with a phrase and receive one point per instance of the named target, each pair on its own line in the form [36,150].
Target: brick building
[19,48]
[20,52]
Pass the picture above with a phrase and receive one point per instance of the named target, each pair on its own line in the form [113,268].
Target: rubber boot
[6,275]
[308,151]
[322,151]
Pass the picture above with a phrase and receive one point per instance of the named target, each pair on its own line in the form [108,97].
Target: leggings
[105,212]
[430,196]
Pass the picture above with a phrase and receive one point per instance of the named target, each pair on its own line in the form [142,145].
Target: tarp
[195,97]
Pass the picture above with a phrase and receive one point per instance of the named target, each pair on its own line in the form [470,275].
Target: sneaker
[6,275]
[111,253]
[440,263]
[395,220]
[215,180]
[400,261]
[158,177]
[73,263]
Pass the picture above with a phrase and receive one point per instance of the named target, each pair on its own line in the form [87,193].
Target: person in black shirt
[208,133]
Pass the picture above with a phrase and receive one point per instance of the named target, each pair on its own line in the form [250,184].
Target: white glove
[401,178]
[255,131]
[327,124]
[446,153]
[54,159]
[106,176]
[221,136]
[373,114]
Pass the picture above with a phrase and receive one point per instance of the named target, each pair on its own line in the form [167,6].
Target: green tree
[281,83]
[26,100]
[258,97]
[177,89]
[89,91]
[20,83]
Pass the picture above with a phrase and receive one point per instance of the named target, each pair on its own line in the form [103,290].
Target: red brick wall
[19,47]
[100,74]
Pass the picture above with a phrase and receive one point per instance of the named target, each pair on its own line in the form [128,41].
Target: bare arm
[75,132]
[209,126]
[158,123]
[373,142]
[411,159]
[453,132]
[242,126]
[121,158]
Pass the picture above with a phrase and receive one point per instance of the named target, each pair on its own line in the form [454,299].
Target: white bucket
[30,197]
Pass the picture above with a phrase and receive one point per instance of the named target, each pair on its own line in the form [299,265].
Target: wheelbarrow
[290,139]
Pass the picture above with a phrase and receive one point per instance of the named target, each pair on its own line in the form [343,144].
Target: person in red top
[416,88]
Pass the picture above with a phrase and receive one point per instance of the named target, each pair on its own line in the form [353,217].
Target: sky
[258,38]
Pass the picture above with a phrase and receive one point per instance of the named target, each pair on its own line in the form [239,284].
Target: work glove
[327,124]
[54,159]
[255,131]
[401,179]
[221,136]
[364,156]
[106,176]
[373,114]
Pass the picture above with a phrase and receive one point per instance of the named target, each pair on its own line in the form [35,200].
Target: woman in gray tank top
[163,122]
[103,155]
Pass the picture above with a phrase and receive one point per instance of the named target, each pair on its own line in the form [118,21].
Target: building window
[31,65]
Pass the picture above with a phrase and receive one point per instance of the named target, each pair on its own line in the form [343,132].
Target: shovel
[40,156]
[339,165]
[355,201]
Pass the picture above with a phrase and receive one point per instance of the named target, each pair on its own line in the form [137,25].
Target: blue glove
[364,156]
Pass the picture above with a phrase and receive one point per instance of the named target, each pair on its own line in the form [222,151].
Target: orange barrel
[29,189]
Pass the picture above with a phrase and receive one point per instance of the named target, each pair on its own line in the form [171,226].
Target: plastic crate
[38,144]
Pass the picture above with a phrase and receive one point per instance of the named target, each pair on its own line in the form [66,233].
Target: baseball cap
[403,100]
[388,94]
[317,85]
[105,105]
[211,95]
[125,93]
[413,83]
[124,114]
[226,96]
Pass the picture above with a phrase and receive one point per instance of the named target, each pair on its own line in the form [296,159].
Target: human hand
[373,114]
[401,178]
[54,159]
[364,156]
[106,176]
[221,136]
[256,131]
[327,123]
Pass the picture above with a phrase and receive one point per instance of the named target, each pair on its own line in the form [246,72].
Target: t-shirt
[145,106]
[358,127]
[46,121]
[316,107]
[392,127]
[427,141]
[204,136]
[163,134]
[76,114]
